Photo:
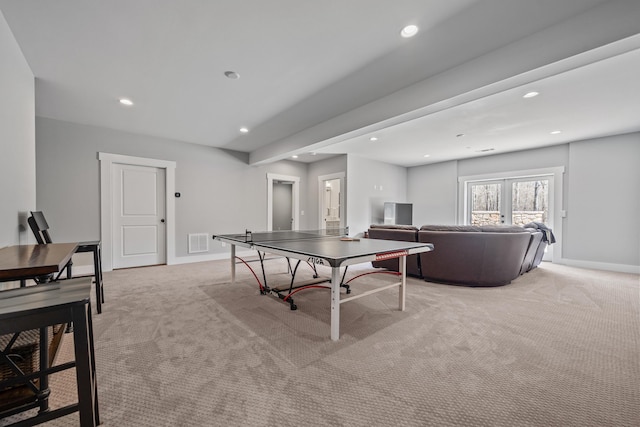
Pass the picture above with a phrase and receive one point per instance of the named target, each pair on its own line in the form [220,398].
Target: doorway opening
[282,211]
[283,201]
[331,201]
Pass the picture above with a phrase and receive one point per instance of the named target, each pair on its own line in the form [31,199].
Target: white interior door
[138,202]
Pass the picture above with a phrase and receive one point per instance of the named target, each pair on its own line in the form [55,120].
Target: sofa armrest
[403,233]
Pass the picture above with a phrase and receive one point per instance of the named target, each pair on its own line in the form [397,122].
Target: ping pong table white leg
[335,303]
[403,283]
[233,264]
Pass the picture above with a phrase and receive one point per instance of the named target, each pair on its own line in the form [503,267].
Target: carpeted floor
[181,346]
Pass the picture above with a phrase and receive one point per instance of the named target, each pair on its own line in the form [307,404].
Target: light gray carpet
[181,346]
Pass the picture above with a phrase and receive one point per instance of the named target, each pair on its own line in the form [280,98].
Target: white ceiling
[600,99]
[316,76]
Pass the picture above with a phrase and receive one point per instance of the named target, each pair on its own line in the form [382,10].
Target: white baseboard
[620,268]
[197,258]
[81,270]
[209,257]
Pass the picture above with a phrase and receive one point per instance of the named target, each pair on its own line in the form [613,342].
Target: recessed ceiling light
[409,31]
[294,156]
[373,138]
[232,75]
[244,130]
[126,101]
[427,155]
[555,132]
[313,153]
[530,94]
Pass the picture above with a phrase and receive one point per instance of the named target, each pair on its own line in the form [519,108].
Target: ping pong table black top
[281,235]
[320,245]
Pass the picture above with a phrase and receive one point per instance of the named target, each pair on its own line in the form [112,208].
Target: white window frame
[556,210]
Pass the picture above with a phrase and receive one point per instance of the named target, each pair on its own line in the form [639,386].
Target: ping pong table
[331,248]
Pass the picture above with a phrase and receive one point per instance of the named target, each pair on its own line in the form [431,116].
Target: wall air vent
[198,243]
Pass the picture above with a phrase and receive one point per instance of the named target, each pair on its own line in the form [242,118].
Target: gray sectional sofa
[468,255]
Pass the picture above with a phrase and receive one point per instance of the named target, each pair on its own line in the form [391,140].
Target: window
[509,201]
[514,198]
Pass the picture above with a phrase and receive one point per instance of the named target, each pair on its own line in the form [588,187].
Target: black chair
[40,229]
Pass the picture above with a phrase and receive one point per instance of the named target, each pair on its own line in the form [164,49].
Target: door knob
[162,220]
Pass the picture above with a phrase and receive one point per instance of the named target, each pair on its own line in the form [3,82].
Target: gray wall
[548,157]
[604,201]
[371,183]
[433,191]
[220,192]
[17,141]
[601,194]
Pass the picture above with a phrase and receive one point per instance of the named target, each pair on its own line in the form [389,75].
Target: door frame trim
[295,203]
[329,177]
[106,229]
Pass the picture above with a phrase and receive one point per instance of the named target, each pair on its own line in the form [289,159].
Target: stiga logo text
[313,260]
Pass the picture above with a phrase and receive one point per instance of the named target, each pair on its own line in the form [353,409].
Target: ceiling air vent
[484,150]
[198,242]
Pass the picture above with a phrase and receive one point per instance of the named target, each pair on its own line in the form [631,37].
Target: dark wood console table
[22,262]
[38,307]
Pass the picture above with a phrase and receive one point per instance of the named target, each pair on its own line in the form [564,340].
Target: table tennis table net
[288,235]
